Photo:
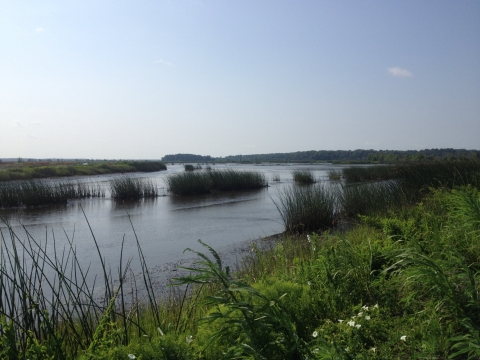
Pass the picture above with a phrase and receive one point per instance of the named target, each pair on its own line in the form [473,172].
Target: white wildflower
[340,321]
[403,338]
[351,323]
[308,238]
[365,307]
[360,314]
[315,334]
[367,317]
[358,326]
[189,339]
[373,349]
[131,357]
[309,283]
[376,306]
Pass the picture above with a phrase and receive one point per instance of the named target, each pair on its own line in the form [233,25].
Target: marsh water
[164,226]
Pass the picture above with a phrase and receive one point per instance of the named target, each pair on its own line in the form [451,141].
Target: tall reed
[303,176]
[129,188]
[307,209]
[195,183]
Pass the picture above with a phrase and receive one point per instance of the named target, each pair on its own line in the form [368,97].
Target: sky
[142,79]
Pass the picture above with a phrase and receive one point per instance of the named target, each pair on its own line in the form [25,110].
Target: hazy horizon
[110,80]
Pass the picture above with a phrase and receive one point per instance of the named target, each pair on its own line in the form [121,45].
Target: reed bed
[195,183]
[189,167]
[40,192]
[308,209]
[335,175]
[370,173]
[303,176]
[371,198]
[129,188]
[276,177]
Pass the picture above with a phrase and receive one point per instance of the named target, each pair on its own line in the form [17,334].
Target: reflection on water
[166,225]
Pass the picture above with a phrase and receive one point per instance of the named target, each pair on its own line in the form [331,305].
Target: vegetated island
[27,170]
[336,156]
[401,282]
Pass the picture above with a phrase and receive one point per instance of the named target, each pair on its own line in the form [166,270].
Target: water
[165,226]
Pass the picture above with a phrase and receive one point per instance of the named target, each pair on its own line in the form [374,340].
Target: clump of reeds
[307,209]
[189,183]
[371,198]
[303,176]
[129,188]
[276,177]
[41,192]
[195,183]
[189,167]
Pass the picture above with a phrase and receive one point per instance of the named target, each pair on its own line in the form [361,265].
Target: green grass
[303,176]
[335,175]
[34,170]
[195,183]
[130,188]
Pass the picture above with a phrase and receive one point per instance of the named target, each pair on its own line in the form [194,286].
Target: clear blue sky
[141,79]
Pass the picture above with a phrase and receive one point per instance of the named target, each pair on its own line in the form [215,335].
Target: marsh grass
[335,175]
[189,167]
[195,183]
[307,209]
[276,177]
[130,188]
[369,173]
[41,192]
[303,176]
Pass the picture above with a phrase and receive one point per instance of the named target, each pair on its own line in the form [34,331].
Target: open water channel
[165,226]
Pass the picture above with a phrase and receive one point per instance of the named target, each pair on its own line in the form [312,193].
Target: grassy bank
[37,170]
[398,286]
[203,182]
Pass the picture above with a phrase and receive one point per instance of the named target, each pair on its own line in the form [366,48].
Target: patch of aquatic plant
[307,209]
[303,176]
[334,175]
[370,198]
[234,180]
[41,192]
[195,183]
[130,188]
[189,167]
[35,170]
[189,183]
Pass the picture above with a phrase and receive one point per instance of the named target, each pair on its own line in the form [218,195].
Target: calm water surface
[166,225]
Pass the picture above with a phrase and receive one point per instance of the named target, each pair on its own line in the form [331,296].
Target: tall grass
[195,183]
[129,188]
[307,209]
[303,176]
[41,192]
[370,173]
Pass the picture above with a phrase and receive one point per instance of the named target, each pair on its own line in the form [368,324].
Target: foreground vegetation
[196,183]
[402,283]
[37,170]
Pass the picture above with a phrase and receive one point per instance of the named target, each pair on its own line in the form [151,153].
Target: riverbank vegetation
[35,170]
[401,283]
[203,182]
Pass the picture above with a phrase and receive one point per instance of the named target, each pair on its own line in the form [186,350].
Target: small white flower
[358,326]
[367,317]
[308,238]
[340,321]
[376,306]
[365,307]
[347,349]
[351,323]
[403,338]
[189,339]
[373,349]
[360,314]
[131,357]
[315,334]
[309,283]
